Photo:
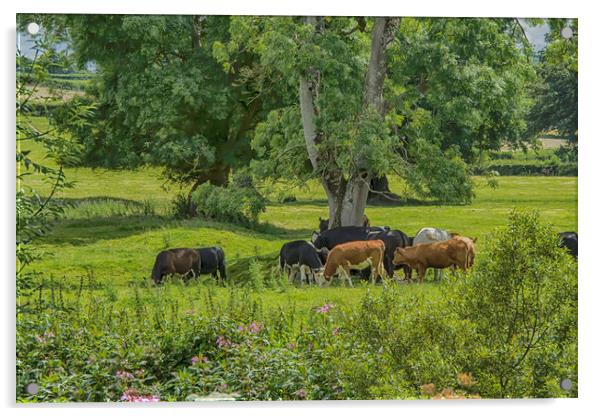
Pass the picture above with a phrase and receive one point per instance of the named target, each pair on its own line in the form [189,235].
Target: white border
[589,191]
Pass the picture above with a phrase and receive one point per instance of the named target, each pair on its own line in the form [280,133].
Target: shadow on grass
[84,231]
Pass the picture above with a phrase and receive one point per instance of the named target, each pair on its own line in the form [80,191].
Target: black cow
[340,235]
[568,240]
[302,254]
[324,223]
[392,240]
[213,260]
[182,261]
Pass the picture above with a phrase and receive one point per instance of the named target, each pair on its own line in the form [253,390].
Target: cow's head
[400,256]
[157,278]
[314,237]
[323,224]
[321,280]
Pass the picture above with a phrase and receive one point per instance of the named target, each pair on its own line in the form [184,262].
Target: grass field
[119,219]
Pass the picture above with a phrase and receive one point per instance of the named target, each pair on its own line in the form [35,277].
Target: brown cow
[180,261]
[355,253]
[440,254]
[470,242]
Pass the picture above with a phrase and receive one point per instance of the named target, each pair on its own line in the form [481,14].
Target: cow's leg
[303,276]
[421,272]
[346,274]
[222,272]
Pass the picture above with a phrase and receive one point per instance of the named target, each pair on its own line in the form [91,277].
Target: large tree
[447,90]
[167,97]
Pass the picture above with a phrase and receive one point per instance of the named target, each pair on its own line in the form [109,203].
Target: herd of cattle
[368,252]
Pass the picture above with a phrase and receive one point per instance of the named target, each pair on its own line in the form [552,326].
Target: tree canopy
[556,92]
[165,98]
[345,100]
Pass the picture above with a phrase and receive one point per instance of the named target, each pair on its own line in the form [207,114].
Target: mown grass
[119,220]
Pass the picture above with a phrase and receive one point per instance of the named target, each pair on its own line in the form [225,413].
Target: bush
[522,300]
[233,204]
[181,207]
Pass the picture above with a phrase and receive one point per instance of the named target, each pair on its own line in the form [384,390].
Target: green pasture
[119,219]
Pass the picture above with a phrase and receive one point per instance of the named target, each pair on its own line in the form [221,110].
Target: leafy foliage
[556,92]
[522,300]
[167,98]
[233,204]
[35,213]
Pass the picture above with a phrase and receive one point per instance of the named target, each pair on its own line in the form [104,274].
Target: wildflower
[336,331]
[291,345]
[196,359]
[301,393]
[223,342]
[252,328]
[90,360]
[131,395]
[325,308]
[124,375]
[222,387]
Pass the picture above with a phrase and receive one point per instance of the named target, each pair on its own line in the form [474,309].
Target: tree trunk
[380,193]
[308,90]
[358,186]
[347,197]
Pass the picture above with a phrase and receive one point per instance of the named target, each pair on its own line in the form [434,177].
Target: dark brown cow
[182,261]
[439,255]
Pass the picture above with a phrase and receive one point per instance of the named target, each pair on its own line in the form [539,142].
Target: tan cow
[470,242]
[355,254]
[439,255]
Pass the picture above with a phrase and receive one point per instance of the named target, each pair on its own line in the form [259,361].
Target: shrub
[181,207]
[233,204]
[522,300]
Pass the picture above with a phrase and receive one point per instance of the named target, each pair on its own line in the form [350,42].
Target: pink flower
[252,328]
[131,395]
[124,375]
[223,342]
[222,387]
[291,345]
[325,308]
[196,359]
[336,331]
[301,393]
